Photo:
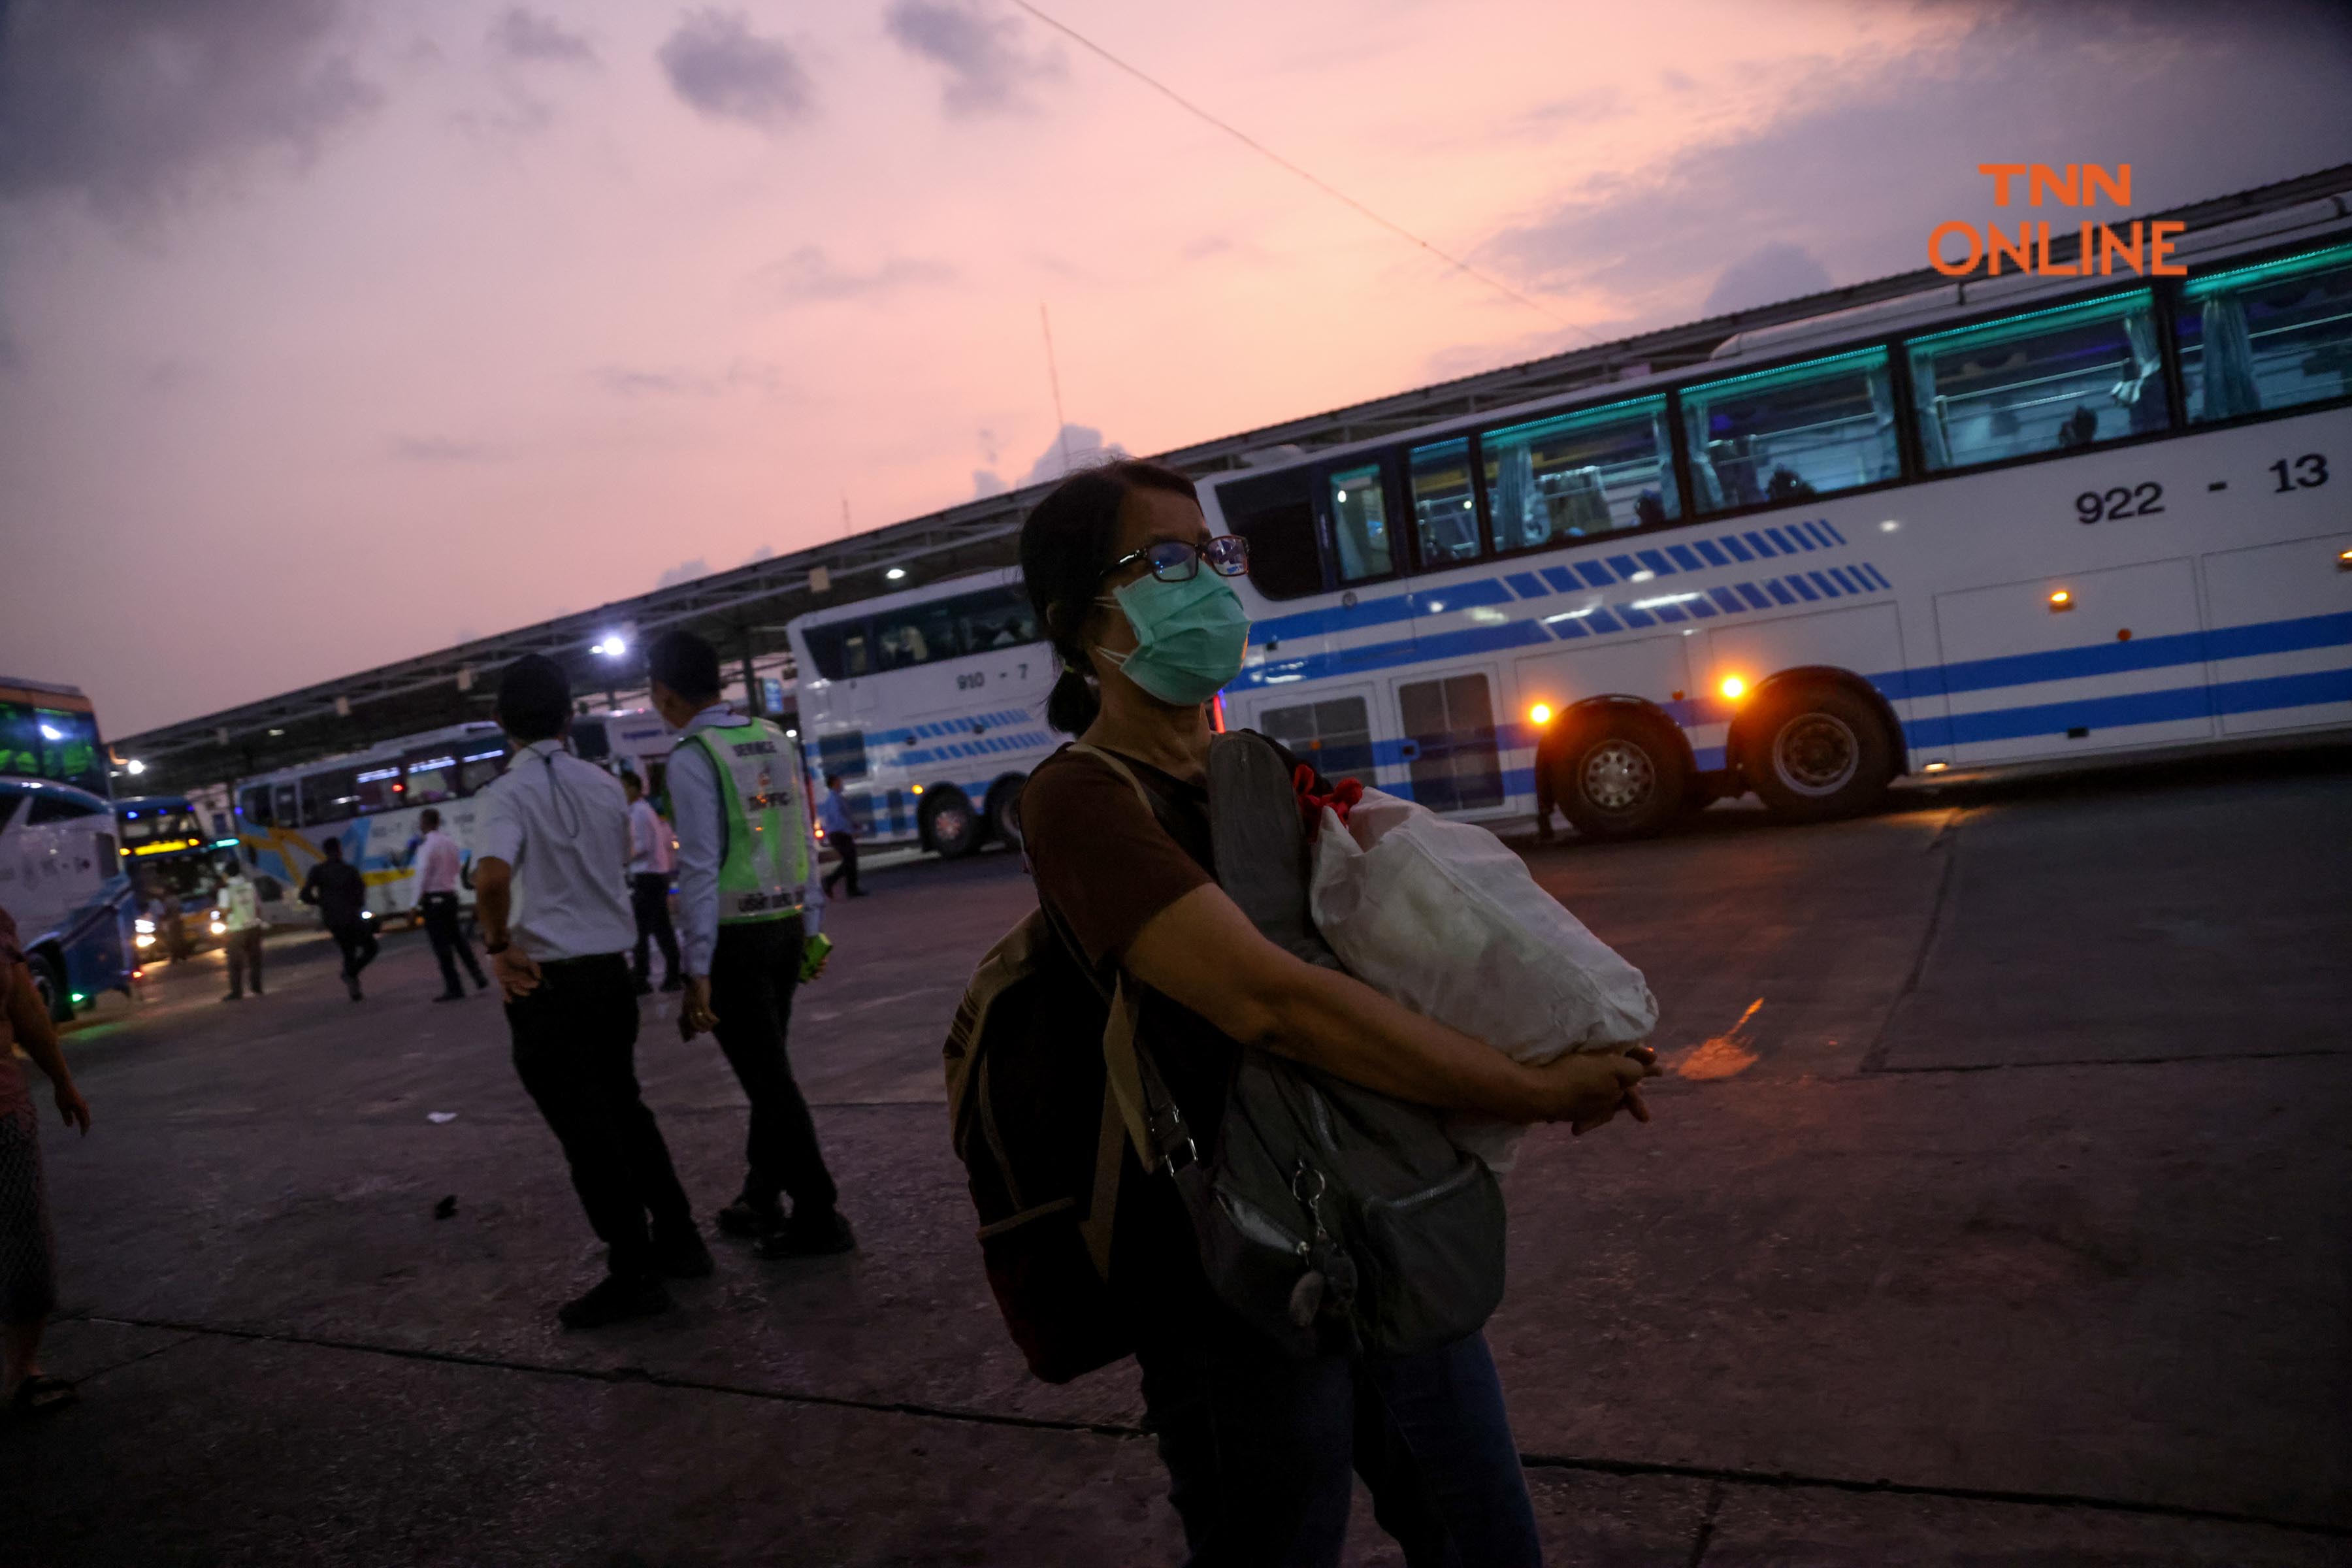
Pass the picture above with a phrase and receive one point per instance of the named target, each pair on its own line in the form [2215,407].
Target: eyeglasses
[1179,561]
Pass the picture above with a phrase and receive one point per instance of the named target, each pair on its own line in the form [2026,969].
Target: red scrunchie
[1339,797]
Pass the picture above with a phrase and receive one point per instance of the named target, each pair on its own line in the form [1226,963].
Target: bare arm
[516,971]
[38,1036]
[1202,951]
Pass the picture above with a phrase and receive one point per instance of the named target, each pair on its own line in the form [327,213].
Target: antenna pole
[1054,377]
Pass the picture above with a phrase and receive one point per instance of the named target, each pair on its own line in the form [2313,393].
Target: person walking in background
[29,1262]
[833,816]
[653,856]
[555,836]
[438,867]
[749,899]
[336,887]
[240,908]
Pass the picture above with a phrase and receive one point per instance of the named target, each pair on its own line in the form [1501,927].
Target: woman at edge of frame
[1259,1446]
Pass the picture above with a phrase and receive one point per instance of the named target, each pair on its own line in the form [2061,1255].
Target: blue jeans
[1259,1450]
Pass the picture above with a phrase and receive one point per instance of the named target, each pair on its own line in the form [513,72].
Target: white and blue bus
[1991,523]
[929,705]
[61,874]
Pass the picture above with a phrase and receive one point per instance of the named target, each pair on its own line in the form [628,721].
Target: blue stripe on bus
[1685,557]
[1566,627]
[1527,585]
[1594,573]
[1656,562]
[1780,538]
[1838,576]
[1561,579]
[1600,620]
[1712,551]
[1623,565]
[1728,600]
[1756,543]
[1825,586]
[1669,612]
[1700,608]
[1831,528]
[1738,550]
[1634,617]
[1780,594]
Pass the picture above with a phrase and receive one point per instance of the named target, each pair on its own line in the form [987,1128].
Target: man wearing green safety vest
[749,903]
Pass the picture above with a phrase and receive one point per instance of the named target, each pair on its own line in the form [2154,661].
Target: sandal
[41,1394]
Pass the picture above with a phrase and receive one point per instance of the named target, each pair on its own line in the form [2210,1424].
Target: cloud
[439,450]
[130,102]
[1875,153]
[741,375]
[526,35]
[1077,446]
[809,274]
[684,572]
[1777,271]
[987,70]
[726,71]
[987,482]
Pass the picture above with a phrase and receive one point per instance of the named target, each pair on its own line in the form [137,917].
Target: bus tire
[49,985]
[951,827]
[1004,811]
[1815,751]
[1621,775]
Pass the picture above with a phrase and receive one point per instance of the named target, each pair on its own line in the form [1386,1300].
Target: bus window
[52,807]
[1577,474]
[284,811]
[376,788]
[1783,434]
[1275,513]
[590,740]
[479,767]
[839,651]
[2054,379]
[998,618]
[843,754]
[917,634]
[53,743]
[1445,512]
[253,806]
[1359,522]
[331,796]
[431,778]
[2257,339]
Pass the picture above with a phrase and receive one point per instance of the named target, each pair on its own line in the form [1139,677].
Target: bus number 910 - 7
[2124,501]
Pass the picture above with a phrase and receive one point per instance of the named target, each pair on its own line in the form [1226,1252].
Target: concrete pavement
[1996,1211]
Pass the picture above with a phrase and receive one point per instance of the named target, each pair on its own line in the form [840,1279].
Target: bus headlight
[145,938]
[144,926]
[1539,715]
[1733,687]
[219,930]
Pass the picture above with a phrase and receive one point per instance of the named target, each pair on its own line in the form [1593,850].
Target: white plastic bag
[1440,916]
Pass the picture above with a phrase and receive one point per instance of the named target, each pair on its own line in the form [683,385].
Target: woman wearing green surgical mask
[1137,597]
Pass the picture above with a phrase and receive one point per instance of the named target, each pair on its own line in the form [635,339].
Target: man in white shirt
[749,899]
[240,906]
[841,832]
[555,919]
[438,864]
[653,856]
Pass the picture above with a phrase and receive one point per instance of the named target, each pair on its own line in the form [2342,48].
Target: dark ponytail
[1068,543]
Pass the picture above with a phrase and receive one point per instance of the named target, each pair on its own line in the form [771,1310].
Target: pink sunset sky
[333,333]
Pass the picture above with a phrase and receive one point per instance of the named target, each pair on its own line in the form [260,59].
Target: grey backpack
[1327,1215]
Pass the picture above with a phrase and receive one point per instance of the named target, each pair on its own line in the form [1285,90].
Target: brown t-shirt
[1105,866]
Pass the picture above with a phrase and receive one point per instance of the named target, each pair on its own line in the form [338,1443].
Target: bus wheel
[1814,753]
[1621,775]
[1004,811]
[49,985]
[949,825]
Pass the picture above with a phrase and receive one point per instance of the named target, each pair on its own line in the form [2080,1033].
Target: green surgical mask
[1189,636]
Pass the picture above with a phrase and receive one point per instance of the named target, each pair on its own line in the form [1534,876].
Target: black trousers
[449,943]
[357,939]
[649,901]
[244,954]
[753,972]
[847,870]
[575,1050]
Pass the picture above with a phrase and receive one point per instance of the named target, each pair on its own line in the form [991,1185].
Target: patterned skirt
[28,1248]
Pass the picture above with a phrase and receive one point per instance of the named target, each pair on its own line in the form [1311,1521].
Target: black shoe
[746,1216]
[616,1298]
[681,1255]
[481,983]
[352,985]
[234,996]
[673,983]
[450,997]
[809,1235]
[645,987]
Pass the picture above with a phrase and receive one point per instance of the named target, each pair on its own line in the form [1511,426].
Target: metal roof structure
[744,611]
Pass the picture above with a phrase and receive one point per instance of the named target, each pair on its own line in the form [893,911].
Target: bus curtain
[1881,381]
[1704,477]
[2229,367]
[1935,440]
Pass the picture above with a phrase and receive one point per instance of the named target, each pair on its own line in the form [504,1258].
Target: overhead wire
[1260,148]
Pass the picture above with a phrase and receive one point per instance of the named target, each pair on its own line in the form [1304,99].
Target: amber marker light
[1540,713]
[1732,687]
[2062,600]
[2344,561]
[1937,767]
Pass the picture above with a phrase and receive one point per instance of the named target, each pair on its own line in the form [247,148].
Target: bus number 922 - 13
[2124,501]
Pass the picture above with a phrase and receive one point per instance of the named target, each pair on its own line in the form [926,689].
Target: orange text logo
[2142,248]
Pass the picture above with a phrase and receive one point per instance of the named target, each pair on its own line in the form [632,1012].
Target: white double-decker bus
[929,704]
[1994,522]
